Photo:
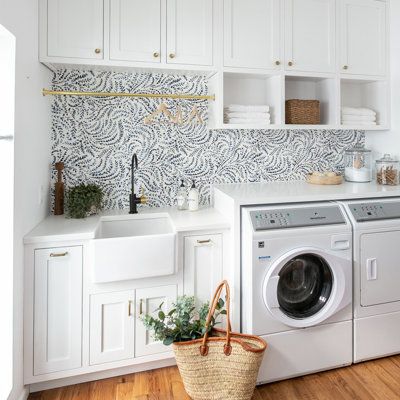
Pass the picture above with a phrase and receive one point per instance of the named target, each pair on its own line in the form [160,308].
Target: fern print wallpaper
[96,137]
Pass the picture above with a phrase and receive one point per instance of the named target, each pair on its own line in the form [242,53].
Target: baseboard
[95,376]
[22,396]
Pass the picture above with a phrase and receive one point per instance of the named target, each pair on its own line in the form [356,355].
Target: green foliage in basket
[183,322]
[84,200]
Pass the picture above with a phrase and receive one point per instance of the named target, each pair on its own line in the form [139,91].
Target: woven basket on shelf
[302,112]
[223,365]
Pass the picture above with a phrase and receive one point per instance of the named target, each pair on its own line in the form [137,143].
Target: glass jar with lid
[358,164]
[387,170]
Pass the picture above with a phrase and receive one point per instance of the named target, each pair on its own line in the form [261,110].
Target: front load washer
[376,226]
[296,286]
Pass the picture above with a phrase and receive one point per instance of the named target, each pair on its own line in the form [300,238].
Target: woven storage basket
[222,365]
[302,112]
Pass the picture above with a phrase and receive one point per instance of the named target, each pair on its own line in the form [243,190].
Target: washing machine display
[296,217]
[304,286]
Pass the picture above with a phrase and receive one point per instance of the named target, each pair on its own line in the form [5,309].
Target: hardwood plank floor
[378,379]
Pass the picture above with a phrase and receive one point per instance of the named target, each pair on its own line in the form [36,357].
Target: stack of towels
[358,116]
[245,114]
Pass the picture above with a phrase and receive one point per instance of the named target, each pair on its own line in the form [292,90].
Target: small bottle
[193,198]
[181,197]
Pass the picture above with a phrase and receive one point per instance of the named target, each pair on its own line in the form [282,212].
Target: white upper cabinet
[310,35]
[135,30]
[363,37]
[75,28]
[57,309]
[190,32]
[252,33]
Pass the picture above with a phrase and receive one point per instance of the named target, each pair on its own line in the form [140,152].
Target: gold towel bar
[47,92]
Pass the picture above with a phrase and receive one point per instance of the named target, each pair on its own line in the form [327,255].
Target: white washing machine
[376,226]
[296,287]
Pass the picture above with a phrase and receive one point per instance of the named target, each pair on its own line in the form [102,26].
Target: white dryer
[376,225]
[297,287]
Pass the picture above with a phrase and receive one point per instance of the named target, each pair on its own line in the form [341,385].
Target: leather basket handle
[211,312]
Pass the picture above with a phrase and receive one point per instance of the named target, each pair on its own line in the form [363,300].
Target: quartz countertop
[60,228]
[301,191]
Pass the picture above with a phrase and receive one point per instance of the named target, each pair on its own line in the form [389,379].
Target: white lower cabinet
[112,326]
[203,265]
[57,312]
[148,301]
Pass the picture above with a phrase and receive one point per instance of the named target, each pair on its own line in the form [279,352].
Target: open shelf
[314,88]
[254,89]
[371,94]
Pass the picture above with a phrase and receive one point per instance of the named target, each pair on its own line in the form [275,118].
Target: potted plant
[84,200]
[183,322]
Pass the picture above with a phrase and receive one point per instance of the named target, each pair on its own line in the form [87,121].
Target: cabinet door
[310,35]
[75,28]
[57,310]
[380,272]
[363,31]
[135,30]
[251,33]
[148,301]
[112,327]
[203,265]
[190,32]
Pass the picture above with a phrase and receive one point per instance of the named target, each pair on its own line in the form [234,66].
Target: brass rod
[47,92]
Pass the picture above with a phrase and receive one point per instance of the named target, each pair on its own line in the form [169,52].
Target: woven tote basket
[223,365]
[302,112]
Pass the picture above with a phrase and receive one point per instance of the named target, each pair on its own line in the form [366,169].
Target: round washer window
[305,284]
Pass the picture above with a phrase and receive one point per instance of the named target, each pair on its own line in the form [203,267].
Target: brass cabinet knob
[345,67]
[290,63]
[97,51]
[172,55]
[156,55]
[277,62]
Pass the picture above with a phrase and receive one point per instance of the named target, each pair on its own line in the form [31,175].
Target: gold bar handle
[206,241]
[141,307]
[130,308]
[58,254]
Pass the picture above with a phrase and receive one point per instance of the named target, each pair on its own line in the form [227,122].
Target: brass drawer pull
[207,241]
[58,254]
[141,307]
[129,308]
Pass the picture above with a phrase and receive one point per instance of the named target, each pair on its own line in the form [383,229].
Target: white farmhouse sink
[133,248]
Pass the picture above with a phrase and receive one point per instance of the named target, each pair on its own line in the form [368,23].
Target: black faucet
[133,199]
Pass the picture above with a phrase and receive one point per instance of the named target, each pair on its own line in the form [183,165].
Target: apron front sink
[133,248]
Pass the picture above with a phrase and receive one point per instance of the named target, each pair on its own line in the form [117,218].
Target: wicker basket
[222,365]
[302,112]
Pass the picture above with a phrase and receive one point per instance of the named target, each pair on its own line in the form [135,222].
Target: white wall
[389,142]
[32,150]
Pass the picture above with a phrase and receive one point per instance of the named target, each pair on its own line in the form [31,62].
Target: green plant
[84,200]
[183,322]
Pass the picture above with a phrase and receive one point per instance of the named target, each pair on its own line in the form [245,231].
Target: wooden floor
[373,380]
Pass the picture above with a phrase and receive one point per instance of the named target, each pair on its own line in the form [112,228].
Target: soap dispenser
[193,198]
[182,197]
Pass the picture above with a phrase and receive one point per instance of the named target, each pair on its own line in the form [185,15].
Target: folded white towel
[249,115]
[357,111]
[247,108]
[359,123]
[359,118]
[248,121]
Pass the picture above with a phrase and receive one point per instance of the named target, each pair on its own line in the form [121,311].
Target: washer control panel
[375,211]
[296,217]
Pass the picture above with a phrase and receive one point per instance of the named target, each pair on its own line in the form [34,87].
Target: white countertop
[301,191]
[60,228]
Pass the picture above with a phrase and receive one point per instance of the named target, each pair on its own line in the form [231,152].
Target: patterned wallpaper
[96,137]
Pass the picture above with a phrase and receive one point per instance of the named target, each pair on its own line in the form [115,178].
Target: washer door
[305,287]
